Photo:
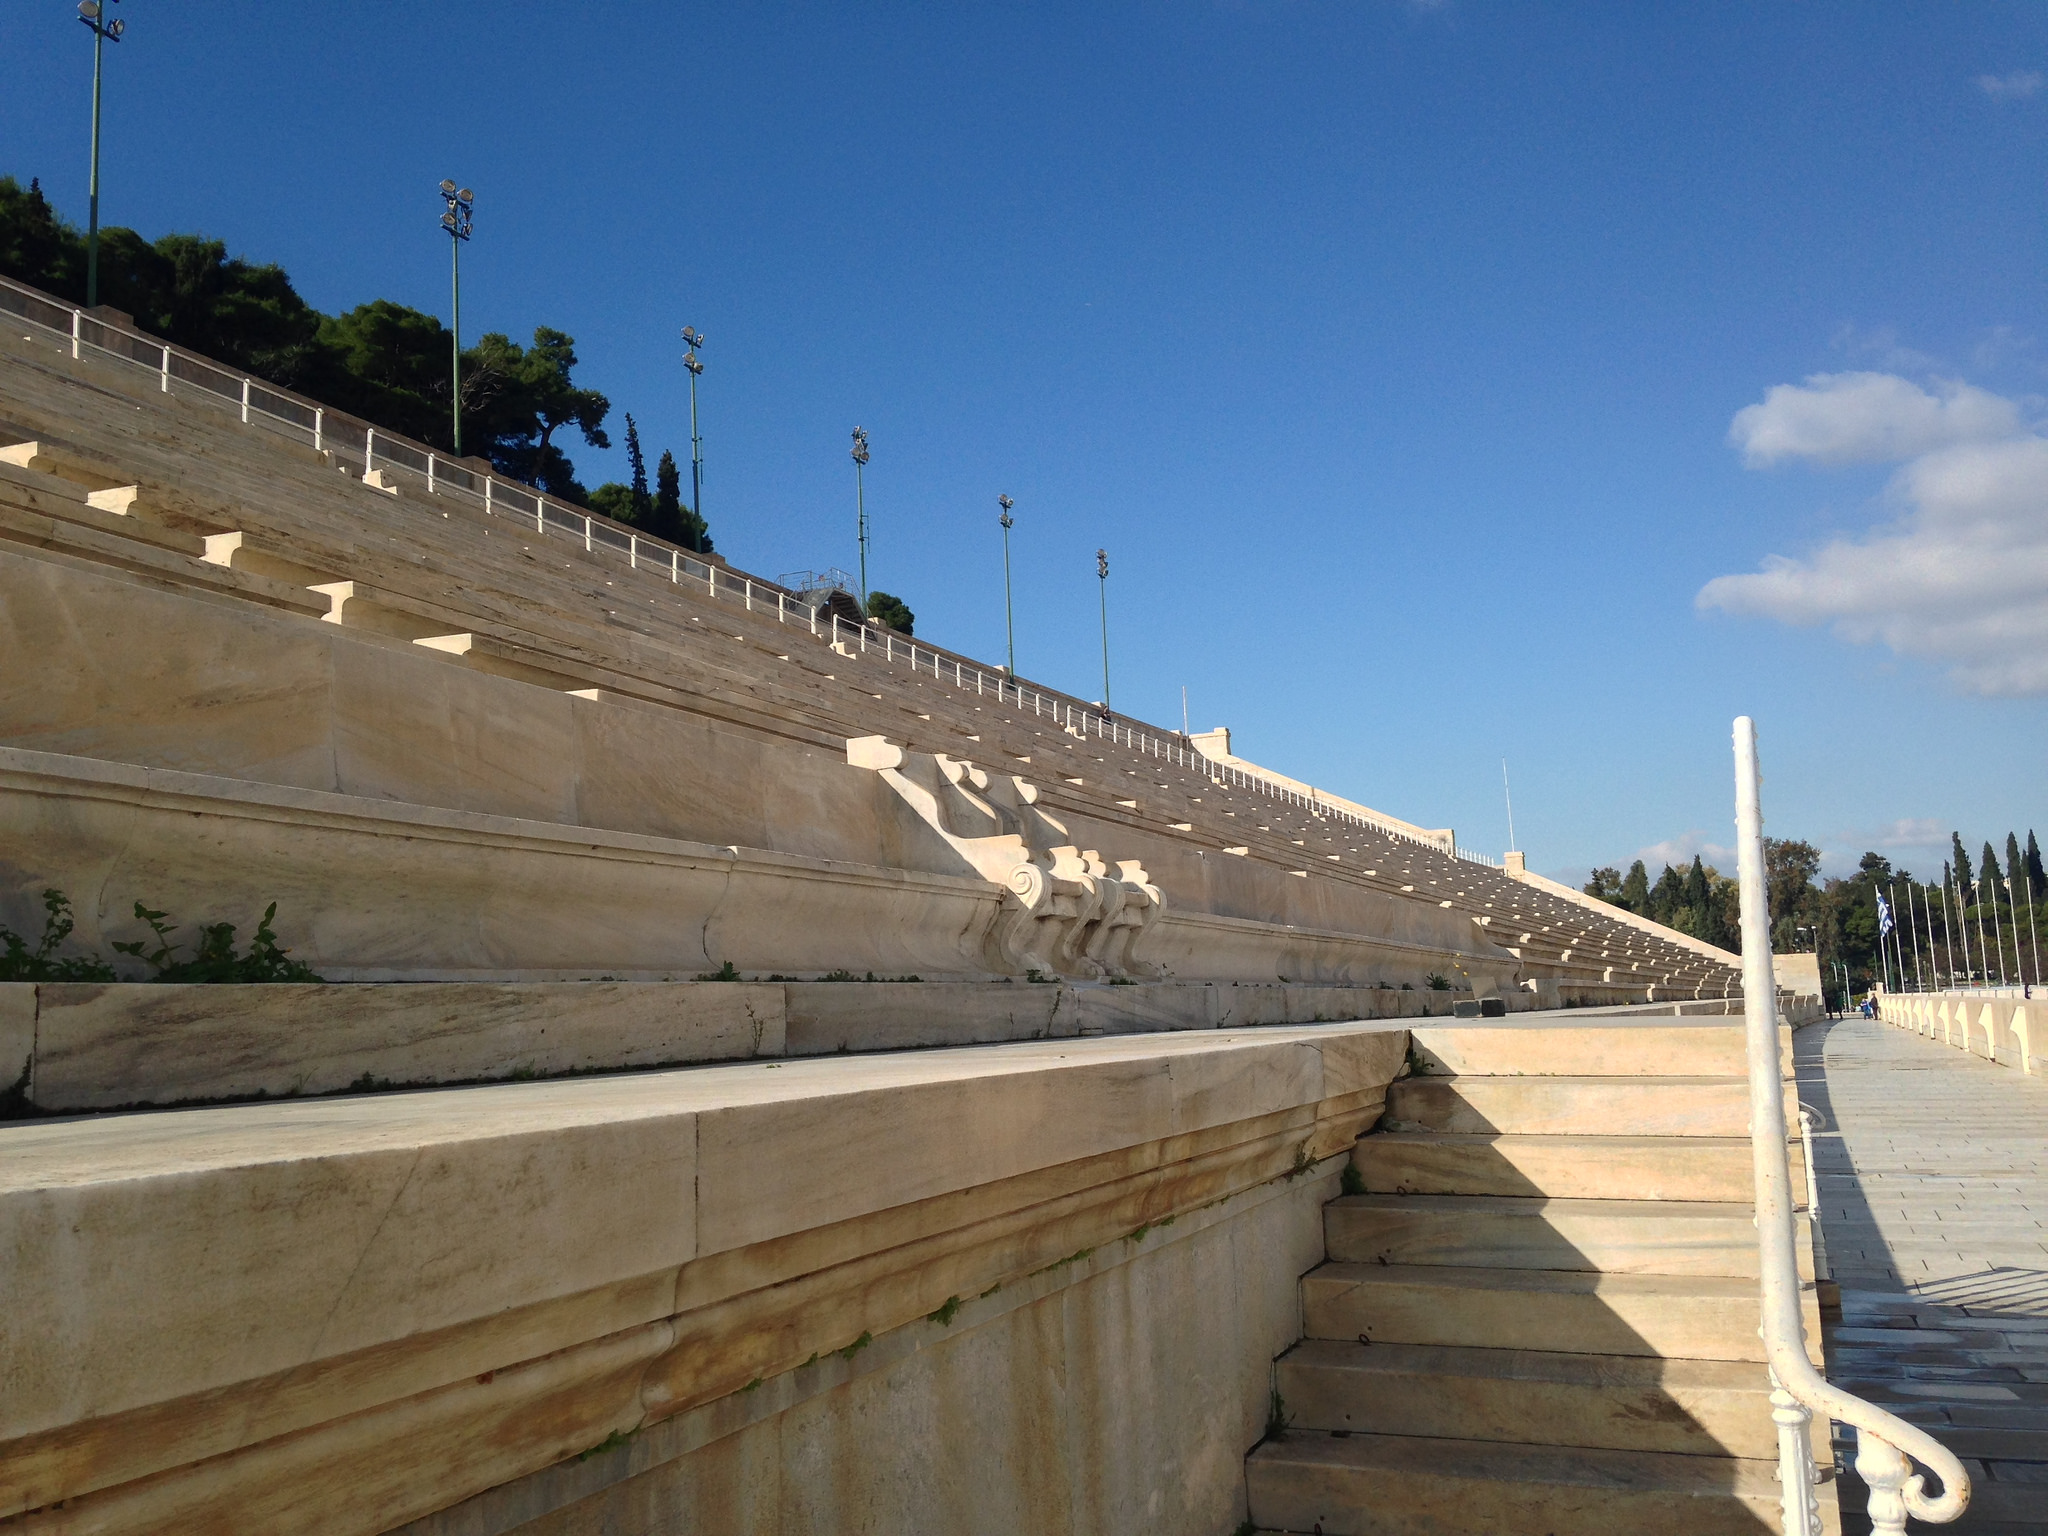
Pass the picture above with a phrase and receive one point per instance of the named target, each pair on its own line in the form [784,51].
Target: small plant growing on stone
[1276,1417]
[866,1338]
[725,972]
[945,1315]
[1438,982]
[213,958]
[20,963]
[1352,1181]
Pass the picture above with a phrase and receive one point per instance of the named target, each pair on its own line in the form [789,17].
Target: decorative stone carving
[1067,911]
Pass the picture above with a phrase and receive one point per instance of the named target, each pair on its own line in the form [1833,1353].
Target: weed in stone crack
[1137,1233]
[610,1442]
[1353,1182]
[726,972]
[20,963]
[751,1385]
[945,1315]
[857,1345]
[1276,1417]
[812,1361]
[1302,1164]
[1247,1529]
[839,976]
[991,1290]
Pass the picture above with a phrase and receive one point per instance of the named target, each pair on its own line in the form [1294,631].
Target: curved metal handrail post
[1883,1440]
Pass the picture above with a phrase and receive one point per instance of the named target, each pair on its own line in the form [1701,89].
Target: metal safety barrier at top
[368,449]
[1884,1441]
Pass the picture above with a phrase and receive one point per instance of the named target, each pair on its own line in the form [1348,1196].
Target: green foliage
[610,1442]
[385,362]
[726,972]
[945,1314]
[1438,981]
[1635,888]
[20,963]
[213,958]
[892,611]
[857,1345]
[1353,1182]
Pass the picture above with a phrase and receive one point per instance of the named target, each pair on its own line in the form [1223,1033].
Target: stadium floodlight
[456,219]
[693,339]
[1102,591]
[92,14]
[860,506]
[1009,613]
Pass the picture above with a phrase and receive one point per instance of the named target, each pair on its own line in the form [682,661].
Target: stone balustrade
[2001,1024]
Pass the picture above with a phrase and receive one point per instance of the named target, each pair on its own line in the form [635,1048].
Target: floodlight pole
[91,13]
[694,339]
[456,220]
[1009,613]
[1102,592]
[860,507]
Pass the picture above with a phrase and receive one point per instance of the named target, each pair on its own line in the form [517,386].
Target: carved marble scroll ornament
[1064,913]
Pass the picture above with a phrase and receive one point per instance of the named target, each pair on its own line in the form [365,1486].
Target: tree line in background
[1977,923]
[386,363]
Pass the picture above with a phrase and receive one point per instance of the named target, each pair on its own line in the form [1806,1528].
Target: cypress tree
[642,506]
[1987,877]
[2015,871]
[668,499]
[1635,889]
[2037,878]
[1961,860]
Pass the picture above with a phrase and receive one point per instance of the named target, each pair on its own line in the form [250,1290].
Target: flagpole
[1947,933]
[1884,958]
[1919,980]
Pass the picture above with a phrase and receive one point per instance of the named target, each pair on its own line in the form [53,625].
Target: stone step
[1530,1397]
[1397,1485]
[1670,1237]
[1572,1106]
[1692,1317]
[1622,1048]
[1563,1167]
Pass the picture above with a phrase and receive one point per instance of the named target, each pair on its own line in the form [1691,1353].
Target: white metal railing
[357,442]
[1883,1440]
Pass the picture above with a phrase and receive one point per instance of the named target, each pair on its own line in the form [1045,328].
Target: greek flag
[1884,917]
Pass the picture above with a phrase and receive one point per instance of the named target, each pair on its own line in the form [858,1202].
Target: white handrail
[1883,1440]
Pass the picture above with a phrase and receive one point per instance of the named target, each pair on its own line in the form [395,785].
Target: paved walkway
[1933,1170]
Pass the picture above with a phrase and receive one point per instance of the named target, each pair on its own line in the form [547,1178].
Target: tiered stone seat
[237,514]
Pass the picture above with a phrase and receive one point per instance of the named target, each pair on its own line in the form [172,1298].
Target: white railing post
[77,331]
[430,474]
[245,402]
[540,513]
[588,532]
[633,550]
[319,428]
[675,565]
[1882,1439]
[167,370]
[369,449]
[487,496]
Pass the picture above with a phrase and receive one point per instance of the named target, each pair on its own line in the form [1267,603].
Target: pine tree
[642,507]
[2014,869]
[2037,878]
[1697,892]
[1961,860]
[1987,877]
[1635,889]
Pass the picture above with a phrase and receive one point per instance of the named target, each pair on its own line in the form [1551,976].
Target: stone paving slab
[1933,1176]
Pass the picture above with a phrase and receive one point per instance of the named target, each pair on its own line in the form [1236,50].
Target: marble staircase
[1538,1311]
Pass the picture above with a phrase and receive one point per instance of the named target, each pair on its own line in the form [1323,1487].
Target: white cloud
[2014,83]
[1867,418]
[1680,851]
[1960,573]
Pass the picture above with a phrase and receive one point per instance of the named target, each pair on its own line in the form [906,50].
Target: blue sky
[1392,350]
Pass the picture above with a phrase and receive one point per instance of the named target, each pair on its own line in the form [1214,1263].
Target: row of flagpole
[1990,947]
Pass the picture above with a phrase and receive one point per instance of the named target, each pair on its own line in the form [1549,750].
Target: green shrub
[213,958]
[20,963]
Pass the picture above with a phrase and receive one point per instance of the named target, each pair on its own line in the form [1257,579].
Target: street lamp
[103,32]
[456,220]
[693,339]
[1102,592]
[1009,614]
[860,507]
